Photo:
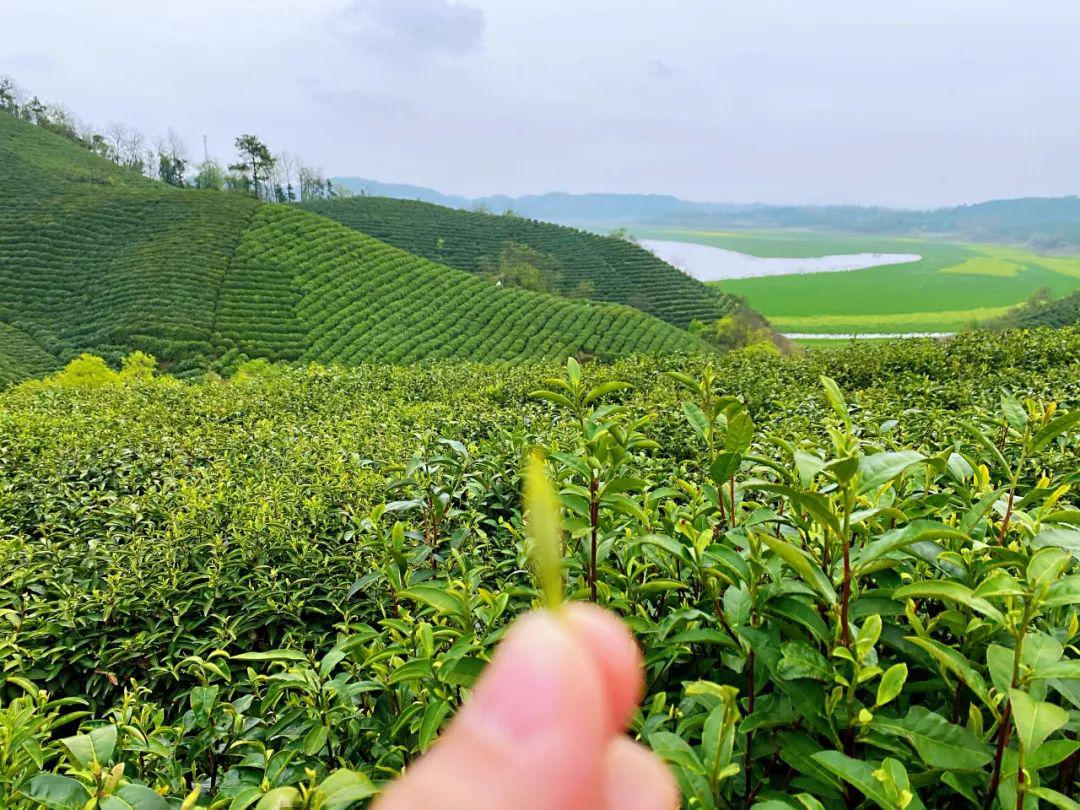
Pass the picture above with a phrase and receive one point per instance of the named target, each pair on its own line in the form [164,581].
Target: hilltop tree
[134,151]
[115,136]
[11,95]
[210,175]
[97,144]
[172,158]
[519,265]
[35,111]
[313,186]
[256,162]
[127,146]
[287,164]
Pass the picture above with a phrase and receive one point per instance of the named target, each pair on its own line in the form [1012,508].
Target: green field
[952,286]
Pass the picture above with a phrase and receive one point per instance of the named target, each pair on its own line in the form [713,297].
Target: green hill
[94,258]
[305,287]
[610,269]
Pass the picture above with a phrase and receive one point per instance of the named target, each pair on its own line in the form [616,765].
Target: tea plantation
[94,258]
[609,268]
[852,573]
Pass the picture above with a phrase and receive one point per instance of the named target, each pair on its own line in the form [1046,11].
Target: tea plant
[602,268]
[850,590]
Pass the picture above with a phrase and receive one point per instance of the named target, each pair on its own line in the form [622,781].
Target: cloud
[660,69]
[37,61]
[353,98]
[414,28]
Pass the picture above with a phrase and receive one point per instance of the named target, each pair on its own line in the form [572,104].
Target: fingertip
[636,779]
[539,726]
[616,655]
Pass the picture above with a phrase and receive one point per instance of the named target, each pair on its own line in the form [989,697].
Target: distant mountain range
[1039,222]
[557,206]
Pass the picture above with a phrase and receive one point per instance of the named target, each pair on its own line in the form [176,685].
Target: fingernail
[521,693]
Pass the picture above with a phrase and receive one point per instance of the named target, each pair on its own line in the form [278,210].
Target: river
[708,263]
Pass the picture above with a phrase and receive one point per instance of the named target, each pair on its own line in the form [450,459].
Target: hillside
[94,258]
[611,269]
[304,287]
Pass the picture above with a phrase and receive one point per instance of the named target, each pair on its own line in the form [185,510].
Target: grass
[951,286]
[945,320]
[986,266]
[835,343]
[94,258]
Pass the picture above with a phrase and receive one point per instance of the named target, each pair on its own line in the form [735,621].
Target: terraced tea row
[110,271]
[21,356]
[358,299]
[604,268]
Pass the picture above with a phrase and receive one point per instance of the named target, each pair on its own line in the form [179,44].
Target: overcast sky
[898,102]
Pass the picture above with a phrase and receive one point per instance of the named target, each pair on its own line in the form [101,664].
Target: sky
[912,103]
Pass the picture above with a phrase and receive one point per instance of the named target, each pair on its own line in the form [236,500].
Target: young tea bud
[544,530]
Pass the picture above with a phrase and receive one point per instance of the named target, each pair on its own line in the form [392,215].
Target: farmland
[246,586]
[952,286]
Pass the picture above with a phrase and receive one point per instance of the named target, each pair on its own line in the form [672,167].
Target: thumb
[534,734]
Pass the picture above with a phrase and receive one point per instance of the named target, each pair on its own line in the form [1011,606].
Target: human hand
[544,727]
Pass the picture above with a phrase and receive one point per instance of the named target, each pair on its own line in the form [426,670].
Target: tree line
[279,177]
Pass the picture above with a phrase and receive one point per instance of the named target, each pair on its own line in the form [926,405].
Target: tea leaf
[1035,719]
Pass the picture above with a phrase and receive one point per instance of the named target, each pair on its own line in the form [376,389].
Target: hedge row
[358,299]
[615,270]
[21,356]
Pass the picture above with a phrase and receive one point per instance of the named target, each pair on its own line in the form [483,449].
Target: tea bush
[603,268]
[852,573]
[335,295]
[21,356]
[1041,311]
